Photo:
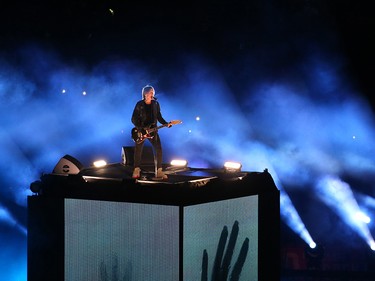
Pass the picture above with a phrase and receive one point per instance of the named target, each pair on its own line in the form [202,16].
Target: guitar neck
[173,122]
[156,128]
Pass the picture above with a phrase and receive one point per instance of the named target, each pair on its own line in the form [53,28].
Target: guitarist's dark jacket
[140,118]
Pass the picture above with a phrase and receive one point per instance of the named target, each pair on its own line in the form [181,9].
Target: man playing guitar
[145,116]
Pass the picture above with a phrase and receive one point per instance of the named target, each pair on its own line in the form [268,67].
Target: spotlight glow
[362,217]
[292,218]
[232,166]
[372,245]
[100,163]
[6,216]
[179,163]
[312,245]
[339,196]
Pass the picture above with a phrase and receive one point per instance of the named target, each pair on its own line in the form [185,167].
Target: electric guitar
[139,135]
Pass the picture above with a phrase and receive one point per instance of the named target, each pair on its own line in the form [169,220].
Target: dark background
[221,29]
[224,31]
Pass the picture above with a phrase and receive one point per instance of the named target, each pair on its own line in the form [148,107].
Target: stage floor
[176,175]
[184,184]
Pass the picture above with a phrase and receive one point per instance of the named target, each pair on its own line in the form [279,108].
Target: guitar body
[140,134]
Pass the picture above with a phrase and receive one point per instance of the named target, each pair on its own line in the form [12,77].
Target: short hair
[147,89]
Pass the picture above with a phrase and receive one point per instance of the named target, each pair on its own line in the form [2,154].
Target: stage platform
[184,185]
[85,221]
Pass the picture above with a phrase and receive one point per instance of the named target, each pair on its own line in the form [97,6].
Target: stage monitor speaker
[127,156]
[68,165]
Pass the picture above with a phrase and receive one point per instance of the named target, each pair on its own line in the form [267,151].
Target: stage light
[179,163]
[100,163]
[232,166]
[312,245]
[314,257]
[67,165]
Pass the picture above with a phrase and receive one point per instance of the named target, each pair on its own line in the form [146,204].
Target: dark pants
[156,145]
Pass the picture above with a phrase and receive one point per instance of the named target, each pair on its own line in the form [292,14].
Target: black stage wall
[231,232]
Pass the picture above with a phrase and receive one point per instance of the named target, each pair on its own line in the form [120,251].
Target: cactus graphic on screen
[223,260]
